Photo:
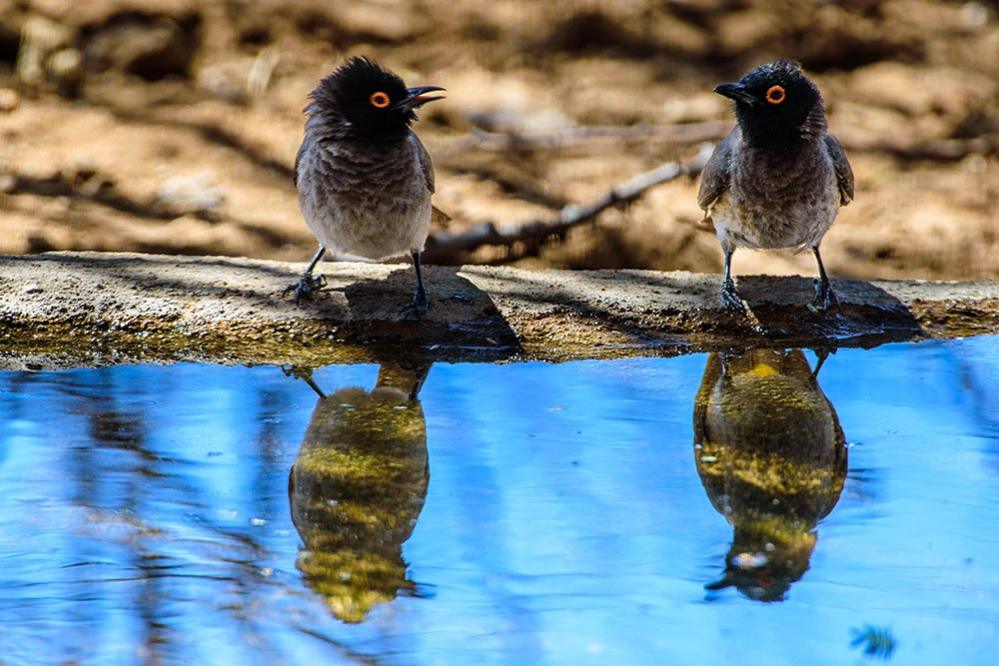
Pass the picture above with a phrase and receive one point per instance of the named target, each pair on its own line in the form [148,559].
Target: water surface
[688,510]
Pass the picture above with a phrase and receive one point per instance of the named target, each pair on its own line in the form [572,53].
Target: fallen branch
[446,247]
[942,150]
[689,133]
[936,150]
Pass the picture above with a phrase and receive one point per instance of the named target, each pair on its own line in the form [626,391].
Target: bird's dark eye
[775,95]
[379,100]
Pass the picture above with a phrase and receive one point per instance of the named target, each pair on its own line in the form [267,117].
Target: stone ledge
[61,309]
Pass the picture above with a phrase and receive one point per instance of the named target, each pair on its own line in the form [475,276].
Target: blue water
[145,517]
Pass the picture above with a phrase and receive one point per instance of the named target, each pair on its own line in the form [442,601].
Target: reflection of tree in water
[357,488]
[772,458]
[979,379]
[124,483]
[114,425]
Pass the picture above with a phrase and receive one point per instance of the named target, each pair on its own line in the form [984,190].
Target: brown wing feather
[844,173]
[298,158]
[438,216]
[426,164]
[716,175]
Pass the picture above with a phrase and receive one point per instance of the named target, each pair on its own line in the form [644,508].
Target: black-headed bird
[364,178]
[779,178]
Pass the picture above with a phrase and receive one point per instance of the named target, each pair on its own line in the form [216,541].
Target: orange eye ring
[379,100]
[776,95]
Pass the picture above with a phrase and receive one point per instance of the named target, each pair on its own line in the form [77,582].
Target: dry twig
[943,150]
[574,137]
[447,247]
[934,150]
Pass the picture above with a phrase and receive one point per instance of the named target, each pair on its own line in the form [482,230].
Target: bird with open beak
[364,178]
[779,178]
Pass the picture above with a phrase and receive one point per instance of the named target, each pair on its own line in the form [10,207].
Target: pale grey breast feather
[781,198]
[365,174]
[774,180]
[365,199]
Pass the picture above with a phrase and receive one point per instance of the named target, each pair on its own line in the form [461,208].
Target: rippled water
[688,510]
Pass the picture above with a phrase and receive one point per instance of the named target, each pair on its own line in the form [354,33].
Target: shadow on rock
[772,458]
[866,313]
[357,488]
[460,315]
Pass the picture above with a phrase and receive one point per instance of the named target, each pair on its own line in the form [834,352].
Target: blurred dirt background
[171,125]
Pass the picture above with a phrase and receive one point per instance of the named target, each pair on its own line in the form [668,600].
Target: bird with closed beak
[779,178]
[364,178]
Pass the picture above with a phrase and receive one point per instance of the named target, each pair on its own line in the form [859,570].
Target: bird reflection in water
[357,488]
[772,458]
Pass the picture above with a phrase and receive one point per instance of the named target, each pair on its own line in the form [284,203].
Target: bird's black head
[776,104]
[363,99]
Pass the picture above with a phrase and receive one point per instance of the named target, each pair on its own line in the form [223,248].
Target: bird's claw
[821,354]
[306,286]
[296,372]
[415,310]
[825,298]
[731,300]
[734,303]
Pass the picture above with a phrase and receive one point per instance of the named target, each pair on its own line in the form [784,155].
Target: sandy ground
[170,126]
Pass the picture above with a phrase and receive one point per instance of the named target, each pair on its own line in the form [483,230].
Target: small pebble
[9,100]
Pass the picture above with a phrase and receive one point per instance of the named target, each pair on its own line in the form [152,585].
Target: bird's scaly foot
[731,300]
[821,354]
[825,297]
[415,310]
[306,286]
[295,371]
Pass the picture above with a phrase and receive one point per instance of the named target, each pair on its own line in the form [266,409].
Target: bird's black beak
[417,97]
[737,92]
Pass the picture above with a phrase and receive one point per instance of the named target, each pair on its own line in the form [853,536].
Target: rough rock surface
[83,308]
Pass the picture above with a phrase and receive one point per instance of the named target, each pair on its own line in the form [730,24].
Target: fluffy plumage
[366,200]
[340,105]
[778,179]
[364,178]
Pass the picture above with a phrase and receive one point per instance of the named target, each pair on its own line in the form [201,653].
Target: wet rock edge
[85,309]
